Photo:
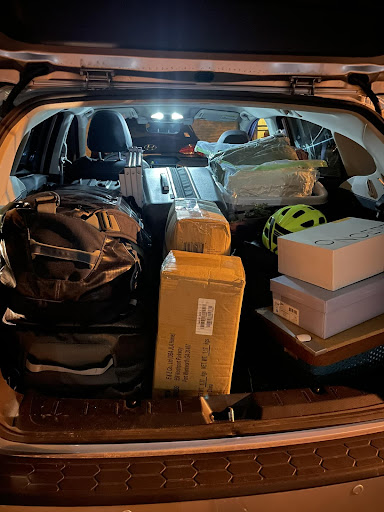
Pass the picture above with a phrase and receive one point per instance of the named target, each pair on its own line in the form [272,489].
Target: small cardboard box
[334,255]
[195,225]
[326,313]
[199,312]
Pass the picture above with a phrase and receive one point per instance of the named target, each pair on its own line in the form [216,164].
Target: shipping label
[286,311]
[205,316]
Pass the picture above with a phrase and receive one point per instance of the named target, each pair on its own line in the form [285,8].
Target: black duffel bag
[66,359]
[72,255]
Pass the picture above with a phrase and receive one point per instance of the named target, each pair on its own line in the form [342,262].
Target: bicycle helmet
[288,220]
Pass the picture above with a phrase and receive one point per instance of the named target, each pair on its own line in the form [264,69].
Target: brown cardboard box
[195,225]
[334,255]
[199,311]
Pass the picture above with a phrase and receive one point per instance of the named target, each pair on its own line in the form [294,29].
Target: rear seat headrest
[108,133]
[234,137]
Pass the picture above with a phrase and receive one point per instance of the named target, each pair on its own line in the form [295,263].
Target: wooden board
[322,352]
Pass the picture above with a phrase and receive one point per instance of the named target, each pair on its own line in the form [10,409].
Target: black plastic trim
[46,480]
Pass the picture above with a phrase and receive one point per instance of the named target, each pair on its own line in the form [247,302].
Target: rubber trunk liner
[44,419]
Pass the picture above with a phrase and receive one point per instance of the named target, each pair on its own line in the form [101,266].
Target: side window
[317,142]
[34,149]
[260,129]
[24,155]
[88,152]
[73,144]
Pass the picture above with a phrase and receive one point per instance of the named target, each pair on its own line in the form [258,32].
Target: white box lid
[338,234]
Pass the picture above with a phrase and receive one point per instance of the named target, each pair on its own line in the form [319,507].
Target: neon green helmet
[288,220]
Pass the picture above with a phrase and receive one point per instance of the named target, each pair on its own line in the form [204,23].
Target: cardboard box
[326,313]
[195,225]
[199,312]
[334,255]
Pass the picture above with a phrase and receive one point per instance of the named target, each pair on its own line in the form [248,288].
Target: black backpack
[71,256]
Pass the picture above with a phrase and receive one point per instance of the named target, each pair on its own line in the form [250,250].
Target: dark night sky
[318,27]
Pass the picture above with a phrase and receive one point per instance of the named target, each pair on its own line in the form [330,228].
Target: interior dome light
[159,116]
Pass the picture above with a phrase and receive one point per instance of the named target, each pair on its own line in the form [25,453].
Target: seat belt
[62,161]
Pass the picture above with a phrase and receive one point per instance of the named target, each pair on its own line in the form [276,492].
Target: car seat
[234,137]
[108,133]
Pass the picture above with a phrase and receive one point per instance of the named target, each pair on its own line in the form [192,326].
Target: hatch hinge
[304,85]
[97,78]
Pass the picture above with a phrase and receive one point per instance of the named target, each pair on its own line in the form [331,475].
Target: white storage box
[334,255]
[323,312]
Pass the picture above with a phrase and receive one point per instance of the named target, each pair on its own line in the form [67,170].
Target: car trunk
[271,390]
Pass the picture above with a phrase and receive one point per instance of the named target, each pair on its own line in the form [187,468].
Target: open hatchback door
[79,426]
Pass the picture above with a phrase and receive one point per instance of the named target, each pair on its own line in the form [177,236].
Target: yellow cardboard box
[199,312]
[195,225]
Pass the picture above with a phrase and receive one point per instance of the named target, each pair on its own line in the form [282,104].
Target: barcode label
[194,247]
[284,310]
[205,316]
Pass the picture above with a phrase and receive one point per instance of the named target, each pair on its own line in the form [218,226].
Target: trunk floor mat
[45,419]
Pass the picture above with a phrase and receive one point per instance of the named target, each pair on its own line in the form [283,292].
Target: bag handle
[47,203]
[63,253]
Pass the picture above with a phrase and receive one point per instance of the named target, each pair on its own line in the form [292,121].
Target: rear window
[172,143]
[160,143]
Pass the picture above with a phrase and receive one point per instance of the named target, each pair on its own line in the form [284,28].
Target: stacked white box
[131,183]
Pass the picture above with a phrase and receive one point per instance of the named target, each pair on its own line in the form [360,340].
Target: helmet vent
[308,224]
[298,213]
[283,212]
[322,220]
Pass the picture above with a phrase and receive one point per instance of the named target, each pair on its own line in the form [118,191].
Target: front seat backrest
[108,133]
[234,137]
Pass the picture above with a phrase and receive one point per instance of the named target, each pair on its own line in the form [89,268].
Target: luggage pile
[74,263]
[82,280]
[328,307]
[82,286]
